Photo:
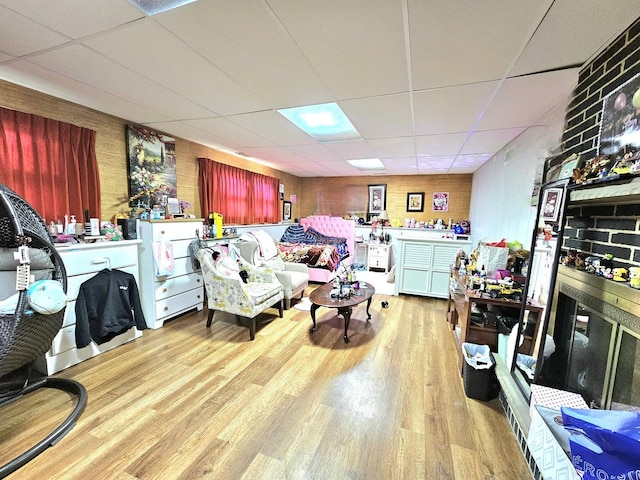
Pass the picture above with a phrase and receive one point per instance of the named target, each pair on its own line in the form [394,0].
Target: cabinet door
[443,257]
[416,268]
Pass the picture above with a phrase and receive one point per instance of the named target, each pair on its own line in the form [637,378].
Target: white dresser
[83,261]
[166,297]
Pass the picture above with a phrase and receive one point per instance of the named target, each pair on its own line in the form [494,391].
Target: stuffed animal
[46,297]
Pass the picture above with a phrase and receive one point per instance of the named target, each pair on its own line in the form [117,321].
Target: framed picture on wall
[440,202]
[415,202]
[151,166]
[551,201]
[620,126]
[286,210]
[377,199]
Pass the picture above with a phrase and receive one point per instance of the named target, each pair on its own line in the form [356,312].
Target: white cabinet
[165,297]
[83,261]
[378,256]
[423,266]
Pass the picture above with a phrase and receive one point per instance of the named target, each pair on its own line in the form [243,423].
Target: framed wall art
[286,210]
[377,199]
[620,126]
[440,202]
[415,202]
[551,201]
[152,166]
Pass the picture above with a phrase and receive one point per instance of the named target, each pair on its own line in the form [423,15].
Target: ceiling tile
[14,40]
[86,66]
[393,147]
[273,126]
[451,110]
[244,40]
[433,165]
[521,101]
[449,144]
[38,78]
[316,152]
[175,66]
[371,59]
[77,18]
[558,44]
[237,136]
[351,150]
[366,114]
[398,165]
[490,141]
[442,52]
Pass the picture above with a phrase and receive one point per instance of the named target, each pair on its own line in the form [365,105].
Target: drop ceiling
[432,86]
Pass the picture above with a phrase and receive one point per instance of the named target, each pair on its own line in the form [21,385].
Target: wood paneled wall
[350,195]
[327,195]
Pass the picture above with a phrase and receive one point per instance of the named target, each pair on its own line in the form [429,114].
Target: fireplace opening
[596,329]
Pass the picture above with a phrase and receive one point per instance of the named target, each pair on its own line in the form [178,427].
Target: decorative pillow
[46,297]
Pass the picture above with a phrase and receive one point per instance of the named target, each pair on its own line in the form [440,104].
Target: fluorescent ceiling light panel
[367,164]
[151,7]
[325,122]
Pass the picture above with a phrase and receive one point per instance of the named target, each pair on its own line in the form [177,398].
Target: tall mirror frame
[545,248]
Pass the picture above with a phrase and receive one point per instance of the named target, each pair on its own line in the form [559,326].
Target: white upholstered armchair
[294,277]
[228,292]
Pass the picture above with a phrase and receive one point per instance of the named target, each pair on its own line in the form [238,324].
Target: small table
[321,297]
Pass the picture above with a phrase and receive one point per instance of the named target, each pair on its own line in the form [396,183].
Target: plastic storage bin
[478,372]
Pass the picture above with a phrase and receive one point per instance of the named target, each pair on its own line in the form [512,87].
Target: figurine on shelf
[634,277]
[620,274]
[547,235]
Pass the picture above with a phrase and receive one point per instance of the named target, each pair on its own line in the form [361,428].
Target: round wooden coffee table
[321,297]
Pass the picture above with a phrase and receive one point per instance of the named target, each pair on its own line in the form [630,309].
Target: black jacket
[108,305]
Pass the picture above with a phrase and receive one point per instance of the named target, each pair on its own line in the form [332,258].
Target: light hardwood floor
[190,402]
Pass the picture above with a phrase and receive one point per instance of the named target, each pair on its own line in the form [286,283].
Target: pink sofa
[334,227]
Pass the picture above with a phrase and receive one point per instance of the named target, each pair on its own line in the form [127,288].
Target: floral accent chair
[228,292]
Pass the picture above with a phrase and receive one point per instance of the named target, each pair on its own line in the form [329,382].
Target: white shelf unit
[82,262]
[166,297]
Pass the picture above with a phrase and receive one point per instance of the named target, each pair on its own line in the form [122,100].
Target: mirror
[529,347]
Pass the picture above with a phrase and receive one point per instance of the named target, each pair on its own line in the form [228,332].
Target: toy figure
[620,274]
[634,277]
[570,258]
[547,235]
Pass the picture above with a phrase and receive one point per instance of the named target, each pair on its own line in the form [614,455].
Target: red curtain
[51,164]
[241,196]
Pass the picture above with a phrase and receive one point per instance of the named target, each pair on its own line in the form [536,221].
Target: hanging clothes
[196,245]
[163,256]
[108,305]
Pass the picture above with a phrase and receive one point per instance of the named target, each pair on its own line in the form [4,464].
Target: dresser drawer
[64,340]
[177,230]
[82,261]
[177,285]
[181,248]
[179,303]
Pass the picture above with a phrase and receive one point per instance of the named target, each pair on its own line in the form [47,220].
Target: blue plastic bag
[605,444]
